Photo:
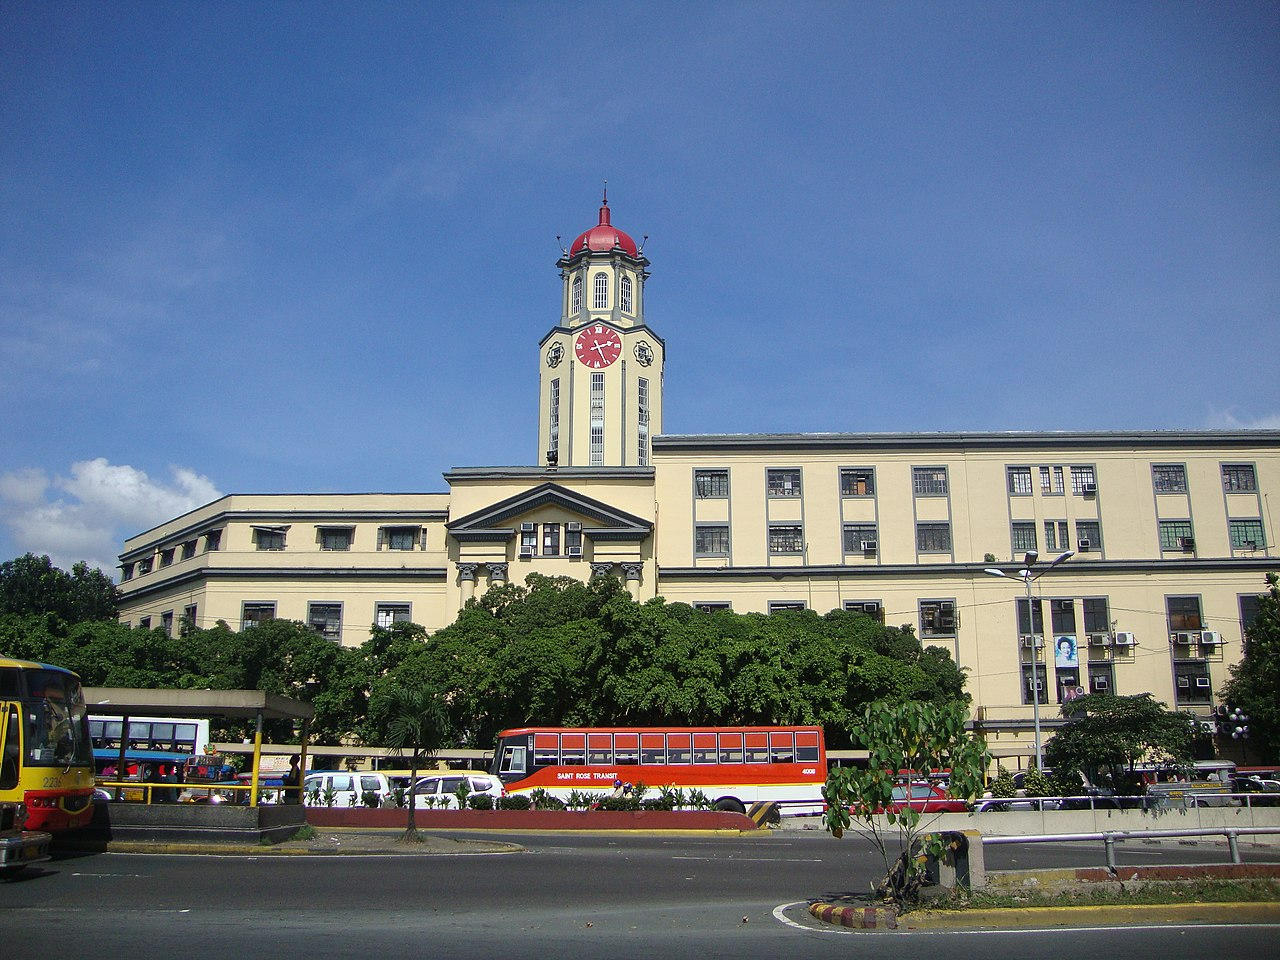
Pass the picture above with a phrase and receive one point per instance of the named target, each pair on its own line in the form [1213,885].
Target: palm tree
[413,723]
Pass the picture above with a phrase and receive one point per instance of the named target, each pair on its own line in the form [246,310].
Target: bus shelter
[256,705]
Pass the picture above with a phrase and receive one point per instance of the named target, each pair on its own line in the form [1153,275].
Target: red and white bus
[732,766]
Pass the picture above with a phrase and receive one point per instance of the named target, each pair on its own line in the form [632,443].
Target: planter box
[530,819]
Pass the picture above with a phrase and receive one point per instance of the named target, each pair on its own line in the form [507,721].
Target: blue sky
[292,247]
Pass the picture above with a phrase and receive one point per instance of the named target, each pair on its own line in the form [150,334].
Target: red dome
[603,237]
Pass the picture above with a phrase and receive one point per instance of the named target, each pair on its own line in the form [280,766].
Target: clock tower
[600,389]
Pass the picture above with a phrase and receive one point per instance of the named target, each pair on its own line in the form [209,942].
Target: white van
[348,788]
[443,786]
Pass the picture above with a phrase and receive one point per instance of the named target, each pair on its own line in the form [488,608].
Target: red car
[926,798]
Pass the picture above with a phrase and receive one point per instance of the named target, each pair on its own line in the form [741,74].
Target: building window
[1088,536]
[777,606]
[1097,615]
[551,539]
[711,540]
[786,538]
[335,538]
[1056,536]
[933,538]
[268,538]
[1169,477]
[189,620]
[857,482]
[1032,625]
[1033,683]
[783,482]
[386,615]
[126,571]
[929,481]
[642,429]
[188,550]
[626,294]
[710,484]
[326,620]
[597,419]
[1173,533]
[213,541]
[528,539]
[871,608]
[937,618]
[553,419]
[144,623]
[1191,682]
[1102,678]
[1051,481]
[1062,615]
[1019,481]
[1068,682]
[711,606]
[1083,481]
[1024,536]
[144,565]
[400,538]
[1246,534]
[166,623]
[575,304]
[1239,477]
[253,614]
[601,292]
[1250,608]
[166,557]
[860,538]
[573,540]
[1184,614]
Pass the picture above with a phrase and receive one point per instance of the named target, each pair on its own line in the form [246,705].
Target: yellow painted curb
[1113,915]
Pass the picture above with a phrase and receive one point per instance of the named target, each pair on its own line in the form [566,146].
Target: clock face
[598,346]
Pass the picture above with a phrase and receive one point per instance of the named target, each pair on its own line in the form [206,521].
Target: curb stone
[1014,918]
[861,918]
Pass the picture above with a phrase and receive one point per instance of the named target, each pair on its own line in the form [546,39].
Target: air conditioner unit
[1188,543]
[1084,544]
[1125,640]
[1202,683]
[1184,683]
[1039,685]
[1088,488]
[1249,545]
[526,551]
[1210,638]
[1101,683]
[872,608]
[1099,640]
[573,526]
[1181,638]
[573,551]
[1208,726]
[1029,642]
[869,546]
[527,528]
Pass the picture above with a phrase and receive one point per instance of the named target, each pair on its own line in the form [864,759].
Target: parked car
[443,787]
[926,798]
[348,788]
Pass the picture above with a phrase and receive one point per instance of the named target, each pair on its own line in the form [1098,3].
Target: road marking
[107,875]
[753,859]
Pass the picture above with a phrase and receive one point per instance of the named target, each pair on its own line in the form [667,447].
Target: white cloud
[87,515]
[1229,420]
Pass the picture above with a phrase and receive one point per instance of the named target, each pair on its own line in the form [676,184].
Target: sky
[310,247]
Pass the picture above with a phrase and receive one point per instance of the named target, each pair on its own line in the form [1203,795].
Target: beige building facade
[1170,532]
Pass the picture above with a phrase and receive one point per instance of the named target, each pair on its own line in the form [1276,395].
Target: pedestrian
[293,782]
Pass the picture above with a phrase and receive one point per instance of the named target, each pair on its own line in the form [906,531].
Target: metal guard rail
[1111,837]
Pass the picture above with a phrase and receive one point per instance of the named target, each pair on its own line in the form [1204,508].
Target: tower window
[601,298]
[642,432]
[597,419]
[575,302]
[553,442]
[626,294]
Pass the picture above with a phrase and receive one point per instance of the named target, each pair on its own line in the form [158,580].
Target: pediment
[600,521]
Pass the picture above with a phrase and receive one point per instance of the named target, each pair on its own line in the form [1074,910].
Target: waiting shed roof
[132,701]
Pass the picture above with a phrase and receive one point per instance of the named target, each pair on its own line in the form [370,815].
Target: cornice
[549,474]
[1001,440]
[284,573]
[869,571]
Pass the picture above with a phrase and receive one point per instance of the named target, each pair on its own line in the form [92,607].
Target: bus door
[10,744]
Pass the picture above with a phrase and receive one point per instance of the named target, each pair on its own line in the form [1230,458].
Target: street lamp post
[1028,576]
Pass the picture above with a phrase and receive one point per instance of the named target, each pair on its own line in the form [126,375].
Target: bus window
[704,748]
[512,759]
[12,748]
[757,748]
[546,749]
[572,749]
[10,683]
[162,736]
[626,749]
[730,748]
[678,748]
[782,748]
[653,748]
[807,746]
[600,749]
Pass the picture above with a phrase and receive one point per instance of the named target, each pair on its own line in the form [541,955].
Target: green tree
[1254,683]
[411,722]
[923,738]
[31,585]
[1106,736]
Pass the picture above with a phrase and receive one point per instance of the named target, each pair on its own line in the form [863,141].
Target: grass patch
[1150,892]
[306,832]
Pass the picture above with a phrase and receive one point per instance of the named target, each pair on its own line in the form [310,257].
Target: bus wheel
[729,805]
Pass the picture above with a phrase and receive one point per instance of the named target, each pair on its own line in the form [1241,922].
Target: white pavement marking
[779,913]
[754,859]
[108,875]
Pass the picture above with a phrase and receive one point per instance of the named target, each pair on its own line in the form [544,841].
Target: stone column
[467,580]
[497,574]
[631,573]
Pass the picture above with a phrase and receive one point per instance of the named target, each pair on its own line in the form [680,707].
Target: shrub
[657,803]
[514,801]
[480,801]
[698,800]
[619,803]
[370,798]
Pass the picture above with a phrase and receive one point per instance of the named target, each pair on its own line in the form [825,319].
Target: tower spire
[604,206]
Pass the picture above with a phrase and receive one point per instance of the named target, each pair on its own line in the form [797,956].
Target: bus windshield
[56,723]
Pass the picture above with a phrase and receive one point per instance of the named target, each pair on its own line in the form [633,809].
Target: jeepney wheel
[729,805]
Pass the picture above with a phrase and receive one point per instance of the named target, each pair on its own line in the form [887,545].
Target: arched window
[602,292]
[576,298]
[626,294]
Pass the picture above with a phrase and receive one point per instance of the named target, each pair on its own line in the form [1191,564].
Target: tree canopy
[33,586]
[1254,684]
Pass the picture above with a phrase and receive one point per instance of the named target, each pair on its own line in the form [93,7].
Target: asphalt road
[565,897]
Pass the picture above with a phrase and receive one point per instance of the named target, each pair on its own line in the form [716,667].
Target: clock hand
[598,349]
